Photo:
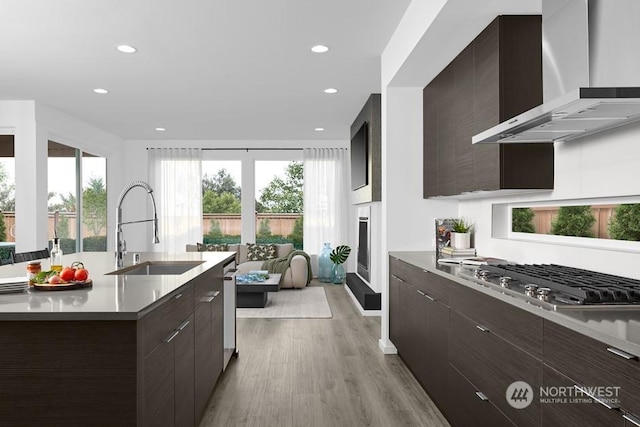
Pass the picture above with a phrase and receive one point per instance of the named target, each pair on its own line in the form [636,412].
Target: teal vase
[325,265]
[339,275]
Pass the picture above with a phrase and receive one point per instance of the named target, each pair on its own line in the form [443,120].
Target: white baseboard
[387,347]
[362,311]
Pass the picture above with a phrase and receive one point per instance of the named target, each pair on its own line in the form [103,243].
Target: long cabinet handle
[420,292]
[482,328]
[429,297]
[216,293]
[632,419]
[621,353]
[211,298]
[178,296]
[172,336]
[397,278]
[482,396]
[184,325]
[584,390]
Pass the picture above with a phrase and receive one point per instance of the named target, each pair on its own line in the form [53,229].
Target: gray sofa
[296,276]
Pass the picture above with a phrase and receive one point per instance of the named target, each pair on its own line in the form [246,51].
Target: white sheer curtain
[326,198]
[175,174]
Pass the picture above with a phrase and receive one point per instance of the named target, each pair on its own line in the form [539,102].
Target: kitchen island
[487,357]
[130,350]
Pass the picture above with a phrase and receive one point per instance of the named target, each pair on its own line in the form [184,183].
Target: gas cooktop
[558,287]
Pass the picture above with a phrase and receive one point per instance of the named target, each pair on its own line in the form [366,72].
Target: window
[279,187]
[221,201]
[608,223]
[67,166]
[252,196]
[7,196]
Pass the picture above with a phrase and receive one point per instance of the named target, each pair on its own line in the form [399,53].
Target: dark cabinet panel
[395,325]
[492,365]
[436,376]
[590,363]
[516,326]
[185,375]
[469,407]
[572,411]
[419,326]
[159,386]
[495,77]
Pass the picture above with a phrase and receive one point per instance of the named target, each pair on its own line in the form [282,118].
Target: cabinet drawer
[434,286]
[467,408]
[159,323]
[492,364]
[591,364]
[207,284]
[574,414]
[517,326]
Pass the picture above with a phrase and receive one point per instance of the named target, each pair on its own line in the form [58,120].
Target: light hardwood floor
[318,372]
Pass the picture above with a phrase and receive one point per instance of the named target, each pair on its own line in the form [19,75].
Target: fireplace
[363,250]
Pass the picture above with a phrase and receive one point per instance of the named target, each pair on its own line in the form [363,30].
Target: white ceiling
[205,69]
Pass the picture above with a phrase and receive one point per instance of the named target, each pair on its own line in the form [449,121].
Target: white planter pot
[461,240]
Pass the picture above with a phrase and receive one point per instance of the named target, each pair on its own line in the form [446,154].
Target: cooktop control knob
[543,294]
[505,282]
[481,274]
[530,290]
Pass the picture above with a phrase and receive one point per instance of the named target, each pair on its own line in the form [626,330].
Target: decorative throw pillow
[257,252]
[221,247]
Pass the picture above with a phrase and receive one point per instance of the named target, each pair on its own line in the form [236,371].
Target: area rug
[307,303]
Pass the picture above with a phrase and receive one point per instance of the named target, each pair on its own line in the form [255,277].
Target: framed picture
[444,227]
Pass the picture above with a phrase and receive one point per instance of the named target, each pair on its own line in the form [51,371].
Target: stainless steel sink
[158,268]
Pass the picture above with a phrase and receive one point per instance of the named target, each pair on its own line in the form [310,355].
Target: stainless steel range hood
[581,112]
[591,74]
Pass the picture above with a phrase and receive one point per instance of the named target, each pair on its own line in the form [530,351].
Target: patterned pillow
[222,247]
[257,252]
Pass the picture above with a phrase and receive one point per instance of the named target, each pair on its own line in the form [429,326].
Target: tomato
[55,280]
[81,275]
[67,274]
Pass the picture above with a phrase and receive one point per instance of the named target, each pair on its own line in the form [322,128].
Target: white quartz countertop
[617,328]
[112,297]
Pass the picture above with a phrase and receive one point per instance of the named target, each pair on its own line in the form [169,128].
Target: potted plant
[338,256]
[461,234]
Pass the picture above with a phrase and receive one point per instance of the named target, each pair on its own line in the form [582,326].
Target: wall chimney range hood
[581,112]
[590,73]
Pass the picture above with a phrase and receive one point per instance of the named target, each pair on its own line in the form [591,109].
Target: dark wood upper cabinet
[496,77]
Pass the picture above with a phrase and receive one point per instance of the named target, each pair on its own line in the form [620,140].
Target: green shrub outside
[625,223]
[573,221]
[522,220]
[297,235]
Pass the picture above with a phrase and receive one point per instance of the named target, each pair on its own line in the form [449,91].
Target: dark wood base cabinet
[467,348]
[157,371]
[573,411]
[468,407]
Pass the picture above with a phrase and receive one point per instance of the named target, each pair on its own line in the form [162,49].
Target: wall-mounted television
[360,158]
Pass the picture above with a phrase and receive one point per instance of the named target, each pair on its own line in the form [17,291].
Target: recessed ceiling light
[160,129]
[101,91]
[319,129]
[331,90]
[319,48]
[125,48]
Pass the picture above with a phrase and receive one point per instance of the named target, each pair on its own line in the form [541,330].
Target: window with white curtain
[175,174]
[326,203]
